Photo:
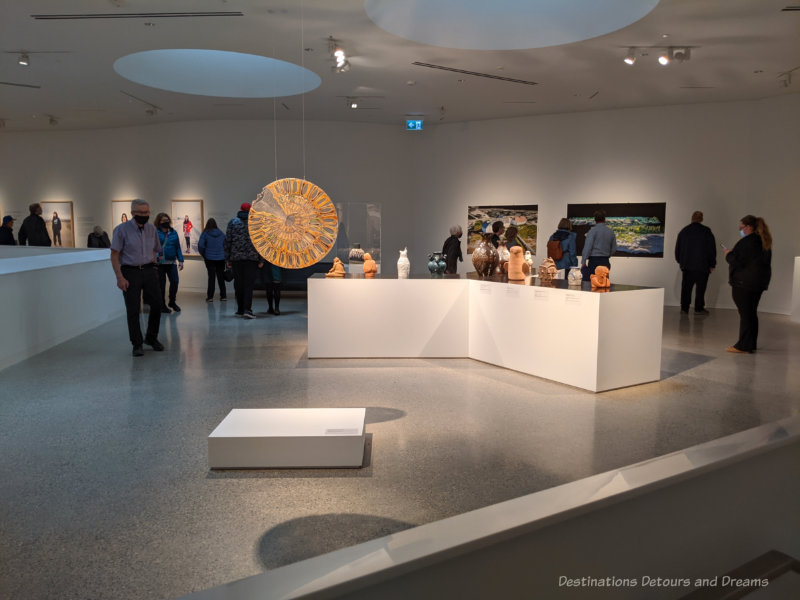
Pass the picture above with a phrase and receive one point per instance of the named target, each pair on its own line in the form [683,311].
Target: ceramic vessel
[436,263]
[574,278]
[403,265]
[485,257]
[356,254]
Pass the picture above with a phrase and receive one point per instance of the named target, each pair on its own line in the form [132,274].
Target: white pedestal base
[288,438]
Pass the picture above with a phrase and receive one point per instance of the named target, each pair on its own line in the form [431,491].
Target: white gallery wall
[727,159]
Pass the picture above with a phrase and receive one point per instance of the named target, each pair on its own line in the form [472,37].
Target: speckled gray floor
[105,490]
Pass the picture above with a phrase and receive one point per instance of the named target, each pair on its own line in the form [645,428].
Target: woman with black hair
[750,269]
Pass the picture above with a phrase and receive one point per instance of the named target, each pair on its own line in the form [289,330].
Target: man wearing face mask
[134,251]
[170,261]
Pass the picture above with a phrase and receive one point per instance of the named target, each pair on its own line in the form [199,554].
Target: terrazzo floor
[106,493]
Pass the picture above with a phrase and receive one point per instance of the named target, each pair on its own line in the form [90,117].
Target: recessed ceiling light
[24,60]
[410,82]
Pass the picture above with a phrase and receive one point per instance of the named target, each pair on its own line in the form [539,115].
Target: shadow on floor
[306,537]
[674,362]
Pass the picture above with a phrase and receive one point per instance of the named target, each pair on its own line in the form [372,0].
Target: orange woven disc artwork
[293,223]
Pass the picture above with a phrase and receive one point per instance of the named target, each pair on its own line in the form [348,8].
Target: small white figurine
[575,278]
[403,265]
[529,259]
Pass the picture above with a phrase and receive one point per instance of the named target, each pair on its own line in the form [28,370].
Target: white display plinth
[288,437]
[389,318]
[595,340]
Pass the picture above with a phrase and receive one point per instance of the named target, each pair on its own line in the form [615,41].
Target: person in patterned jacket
[244,259]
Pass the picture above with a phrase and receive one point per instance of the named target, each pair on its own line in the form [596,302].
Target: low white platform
[288,438]
[595,340]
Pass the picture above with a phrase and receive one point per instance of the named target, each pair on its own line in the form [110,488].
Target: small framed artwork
[187,220]
[59,222]
[120,212]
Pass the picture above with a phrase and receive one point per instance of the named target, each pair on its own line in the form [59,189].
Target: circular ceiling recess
[504,24]
[216,73]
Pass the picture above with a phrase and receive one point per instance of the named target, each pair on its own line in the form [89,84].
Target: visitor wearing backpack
[561,247]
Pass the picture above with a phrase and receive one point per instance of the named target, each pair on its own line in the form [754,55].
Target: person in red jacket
[187,232]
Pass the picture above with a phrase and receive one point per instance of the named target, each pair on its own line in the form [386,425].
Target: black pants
[244,278]
[142,282]
[168,271]
[272,283]
[747,303]
[216,269]
[597,261]
[691,279]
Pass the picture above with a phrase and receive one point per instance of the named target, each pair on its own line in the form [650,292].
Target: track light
[352,103]
[630,59]
[683,54]
[665,57]
[53,121]
[339,56]
[24,60]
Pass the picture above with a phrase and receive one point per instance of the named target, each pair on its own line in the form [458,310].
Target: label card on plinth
[541,295]
[512,292]
[485,288]
[574,299]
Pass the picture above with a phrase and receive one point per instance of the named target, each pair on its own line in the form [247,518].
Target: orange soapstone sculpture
[516,267]
[337,270]
[370,266]
[600,278]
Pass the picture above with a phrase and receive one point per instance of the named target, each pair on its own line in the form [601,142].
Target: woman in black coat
[750,265]
[452,249]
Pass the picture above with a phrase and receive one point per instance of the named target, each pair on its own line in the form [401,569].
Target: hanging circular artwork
[293,223]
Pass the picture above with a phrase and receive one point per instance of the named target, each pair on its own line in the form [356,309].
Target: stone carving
[516,267]
[485,257]
[600,278]
[370,267]
[337,270]
[403,265]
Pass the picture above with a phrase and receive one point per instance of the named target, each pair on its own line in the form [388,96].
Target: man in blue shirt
[600,245]
[133,257]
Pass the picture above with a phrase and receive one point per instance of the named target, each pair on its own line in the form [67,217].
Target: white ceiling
[741,49]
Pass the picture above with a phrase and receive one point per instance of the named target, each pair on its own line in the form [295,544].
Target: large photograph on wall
[524,217]
[59,222]
[120,212]
[639,227]
[187,220]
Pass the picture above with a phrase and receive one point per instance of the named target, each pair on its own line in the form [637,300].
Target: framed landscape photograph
[120,212]
[59,222]
[187,220]
[639,227]
[525,217]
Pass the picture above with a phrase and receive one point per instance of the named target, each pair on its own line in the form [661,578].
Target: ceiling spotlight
[665,57]
[339,56]
[341,68]
[630,59]
[24,60]
[352,103]
[151,112]
[53,121]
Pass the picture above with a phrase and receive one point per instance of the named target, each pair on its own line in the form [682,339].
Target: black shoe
[238,314]
[154,344]
[702,311]
[277,311]
[137,351]
[165,310]
[248,314]
[271,311]
[174,307]
[223,299]
[209,299]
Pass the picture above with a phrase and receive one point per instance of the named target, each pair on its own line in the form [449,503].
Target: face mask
[164,225]
[140,219]
[742,233]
